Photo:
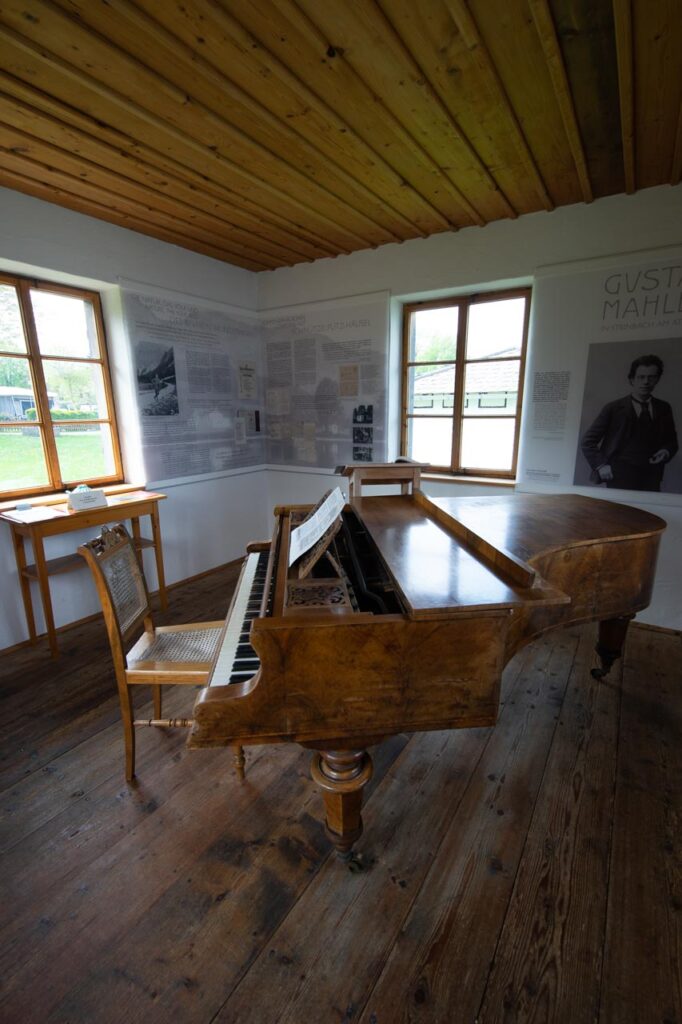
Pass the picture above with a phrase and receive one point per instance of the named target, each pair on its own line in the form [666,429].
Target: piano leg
[610,643]
[341,775]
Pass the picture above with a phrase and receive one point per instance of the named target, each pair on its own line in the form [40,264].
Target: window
[463,365]
[57,422]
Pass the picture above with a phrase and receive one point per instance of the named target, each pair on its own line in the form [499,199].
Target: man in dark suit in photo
[633,438]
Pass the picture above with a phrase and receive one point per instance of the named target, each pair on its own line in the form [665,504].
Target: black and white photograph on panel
[362,453]
[363,414]
[362,435]
[631,415]
[156,380]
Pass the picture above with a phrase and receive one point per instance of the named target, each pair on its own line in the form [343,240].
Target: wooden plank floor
[530,872]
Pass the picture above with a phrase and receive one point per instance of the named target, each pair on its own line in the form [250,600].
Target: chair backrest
[120,584]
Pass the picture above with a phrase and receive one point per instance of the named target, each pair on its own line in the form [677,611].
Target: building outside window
[57,419]
[463,362]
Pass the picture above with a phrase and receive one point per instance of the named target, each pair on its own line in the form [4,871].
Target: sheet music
[311,529]
[37,514]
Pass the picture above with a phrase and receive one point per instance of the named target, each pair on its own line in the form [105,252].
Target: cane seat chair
[173,655]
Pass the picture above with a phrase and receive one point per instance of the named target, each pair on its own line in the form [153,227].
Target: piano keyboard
[237,661]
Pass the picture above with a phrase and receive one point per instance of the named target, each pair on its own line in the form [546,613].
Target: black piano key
[245,664]
[245,650]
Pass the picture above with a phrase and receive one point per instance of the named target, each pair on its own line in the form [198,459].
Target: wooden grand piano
[409,622]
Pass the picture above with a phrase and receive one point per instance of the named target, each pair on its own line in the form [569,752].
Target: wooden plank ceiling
[270,132]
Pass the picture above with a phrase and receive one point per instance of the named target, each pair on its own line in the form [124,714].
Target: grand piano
[407,621]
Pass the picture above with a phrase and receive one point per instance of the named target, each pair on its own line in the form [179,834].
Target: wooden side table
[130,505]
[407,474]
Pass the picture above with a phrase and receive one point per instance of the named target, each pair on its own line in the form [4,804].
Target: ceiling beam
[394,42]
[393,144]
[622,16]
[189,124]
[31,139]
[191,69]
[215,198]
[461,15]
[28,179]
[546,30]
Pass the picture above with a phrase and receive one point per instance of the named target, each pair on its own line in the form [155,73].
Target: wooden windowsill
[484,481]
[55,499]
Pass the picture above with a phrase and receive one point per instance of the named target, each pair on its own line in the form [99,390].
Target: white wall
[60,242]
[208,523]
[292,486]
[501,253]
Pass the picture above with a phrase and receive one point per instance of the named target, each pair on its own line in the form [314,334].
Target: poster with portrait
[631,415]
[589,324]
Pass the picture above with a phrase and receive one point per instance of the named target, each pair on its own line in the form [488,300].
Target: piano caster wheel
[352,861]
[607,662]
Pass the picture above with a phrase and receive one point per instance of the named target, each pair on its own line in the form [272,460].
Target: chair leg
[238,760]
[125,698]
[156,693]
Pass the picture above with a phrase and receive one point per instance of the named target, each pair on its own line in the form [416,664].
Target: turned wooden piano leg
[342,775]
[610,643]
[238,760]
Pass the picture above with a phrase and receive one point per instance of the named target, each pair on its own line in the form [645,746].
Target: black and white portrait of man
[628,442]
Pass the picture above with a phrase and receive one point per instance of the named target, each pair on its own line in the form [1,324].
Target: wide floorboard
[530,872]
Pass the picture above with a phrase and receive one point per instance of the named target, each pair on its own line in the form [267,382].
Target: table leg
[44,584]
[137,536]
[20,556]
[158,550]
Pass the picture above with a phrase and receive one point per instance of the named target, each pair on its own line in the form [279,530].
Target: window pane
[75,390]
[487,444]
[491,389]
[433,334]
[430,440]
[11,328]
[431,389]
[16,389]
[65,325]
[85,451]
[495,328]
[22,459]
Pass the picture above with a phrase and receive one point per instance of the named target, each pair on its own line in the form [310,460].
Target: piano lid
[436,570]
[527,525]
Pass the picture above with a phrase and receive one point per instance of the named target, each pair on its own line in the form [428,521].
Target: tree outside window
[57,420]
